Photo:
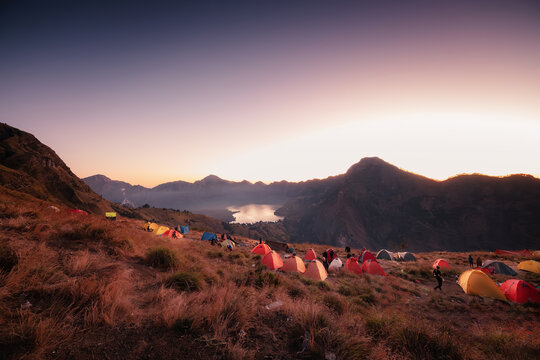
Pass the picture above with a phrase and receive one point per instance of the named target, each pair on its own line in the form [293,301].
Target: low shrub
[334,303]
[185,281]
[162,257]
[266,279]
[420,344]
[379,326]
[498,342]
[8,258]
[295,292]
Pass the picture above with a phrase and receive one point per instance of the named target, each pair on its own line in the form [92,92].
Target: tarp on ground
[441,263]
[310,255]
[520,292]
[499,267]
[523,252]
[405,256]
[372,267]
[316,271]
[352,265]
[184,229]
[272,260]
[208,236]
[530,265]
[475,282]
[278,245]
[294,264]
[336,265]
[261,249]
[384,255]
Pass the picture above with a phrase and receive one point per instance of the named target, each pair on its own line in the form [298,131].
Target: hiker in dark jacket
[325,259]
[471,261]
[438,276]
[479,262]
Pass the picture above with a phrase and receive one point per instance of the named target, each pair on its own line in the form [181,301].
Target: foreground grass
[82,287]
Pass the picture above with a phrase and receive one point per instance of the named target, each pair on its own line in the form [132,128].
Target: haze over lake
[252,213]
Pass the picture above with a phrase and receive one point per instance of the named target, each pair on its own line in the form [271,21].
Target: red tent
[310,255]
[172,234]
[519,291]
[272,260]
[77,212]
[328,255]
[366,255]
[524,252]
[352,265]
[441,263]
[372,267]
[261,249]
[486,271]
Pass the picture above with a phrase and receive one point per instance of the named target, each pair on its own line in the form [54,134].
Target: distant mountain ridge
[377,205]
[206,195]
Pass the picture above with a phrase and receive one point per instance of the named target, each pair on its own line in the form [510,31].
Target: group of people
[471,261]
[224,236]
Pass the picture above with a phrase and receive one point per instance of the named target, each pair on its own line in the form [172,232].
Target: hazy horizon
[270,91]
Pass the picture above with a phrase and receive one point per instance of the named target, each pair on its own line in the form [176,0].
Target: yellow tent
[146,225]
[160,230]
[154,227]
[530,265]
[476,282]
[316,271]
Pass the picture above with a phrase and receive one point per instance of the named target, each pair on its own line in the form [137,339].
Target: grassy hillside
[81,287]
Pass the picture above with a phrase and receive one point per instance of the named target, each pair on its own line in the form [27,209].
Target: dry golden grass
[82,287]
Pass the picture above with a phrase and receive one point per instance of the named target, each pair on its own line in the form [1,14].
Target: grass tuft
[8,258]
[161,257]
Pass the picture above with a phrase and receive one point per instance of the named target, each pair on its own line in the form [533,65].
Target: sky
[151,92]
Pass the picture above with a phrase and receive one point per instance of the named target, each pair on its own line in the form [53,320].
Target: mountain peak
[211,179]
[369,163]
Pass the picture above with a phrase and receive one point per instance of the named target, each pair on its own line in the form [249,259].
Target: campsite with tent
[219,297]
[270,180]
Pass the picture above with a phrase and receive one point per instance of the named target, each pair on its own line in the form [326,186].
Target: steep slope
[28,166]
[376,205]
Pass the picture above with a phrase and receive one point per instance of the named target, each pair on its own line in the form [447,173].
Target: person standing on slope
[471,261]
[438,276]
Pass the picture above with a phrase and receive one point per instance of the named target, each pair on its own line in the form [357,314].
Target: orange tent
[261,249]
[316,271]
[352,265]
[372,267]
[441,263]
[310,255]
[272,260]
[294,264]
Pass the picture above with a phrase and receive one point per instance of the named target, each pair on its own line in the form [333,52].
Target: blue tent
[208,236]
[184,229]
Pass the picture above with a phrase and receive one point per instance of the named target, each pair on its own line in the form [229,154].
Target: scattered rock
[329,356]
[274,305]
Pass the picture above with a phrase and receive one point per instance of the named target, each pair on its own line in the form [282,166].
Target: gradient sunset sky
[149,92]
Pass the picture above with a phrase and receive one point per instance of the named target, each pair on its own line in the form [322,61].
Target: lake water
[252,213]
